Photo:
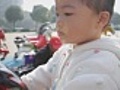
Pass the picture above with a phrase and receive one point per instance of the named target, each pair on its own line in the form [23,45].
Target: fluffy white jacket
[91,66]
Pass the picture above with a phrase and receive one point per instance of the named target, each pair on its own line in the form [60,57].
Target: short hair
[100,5]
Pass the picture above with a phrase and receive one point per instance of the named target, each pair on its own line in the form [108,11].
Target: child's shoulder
[65,47]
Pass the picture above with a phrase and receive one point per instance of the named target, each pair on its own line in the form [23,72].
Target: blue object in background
[11,63]
[29,59]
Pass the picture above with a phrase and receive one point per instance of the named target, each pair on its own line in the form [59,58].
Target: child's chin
[64,41]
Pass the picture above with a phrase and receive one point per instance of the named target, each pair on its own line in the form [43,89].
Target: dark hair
[100,5]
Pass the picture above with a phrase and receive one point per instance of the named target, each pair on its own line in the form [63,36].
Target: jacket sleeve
[38,79]
[42,77]
[98,72]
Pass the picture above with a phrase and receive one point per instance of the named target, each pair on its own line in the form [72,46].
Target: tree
[39,14]
[14,14]
[116,19]
[4,24]
[4,4]
[52,14]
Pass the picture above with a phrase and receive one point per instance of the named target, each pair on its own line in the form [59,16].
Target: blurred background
[25,15]
[28,15]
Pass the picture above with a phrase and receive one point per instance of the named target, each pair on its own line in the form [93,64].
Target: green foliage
[52,14]
[116,19]
[14,14]
[2,22]
[39,14]
[21,30]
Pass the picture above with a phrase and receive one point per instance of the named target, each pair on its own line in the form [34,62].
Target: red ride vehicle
[3,47]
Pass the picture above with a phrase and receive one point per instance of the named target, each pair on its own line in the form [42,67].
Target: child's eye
[68,14]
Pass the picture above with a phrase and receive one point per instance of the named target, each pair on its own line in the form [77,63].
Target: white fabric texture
[91,82]
[79,68]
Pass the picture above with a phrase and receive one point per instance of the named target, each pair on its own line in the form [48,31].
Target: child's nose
[60,23]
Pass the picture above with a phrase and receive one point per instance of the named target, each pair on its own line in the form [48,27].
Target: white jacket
[91,66]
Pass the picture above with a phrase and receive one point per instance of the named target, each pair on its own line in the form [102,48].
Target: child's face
[76,23]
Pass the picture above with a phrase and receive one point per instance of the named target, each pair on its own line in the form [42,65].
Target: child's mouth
[61,34]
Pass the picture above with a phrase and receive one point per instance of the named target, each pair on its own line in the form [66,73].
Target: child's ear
[103,19]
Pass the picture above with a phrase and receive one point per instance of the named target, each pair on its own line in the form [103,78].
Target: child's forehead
[66,2]
[61,1]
